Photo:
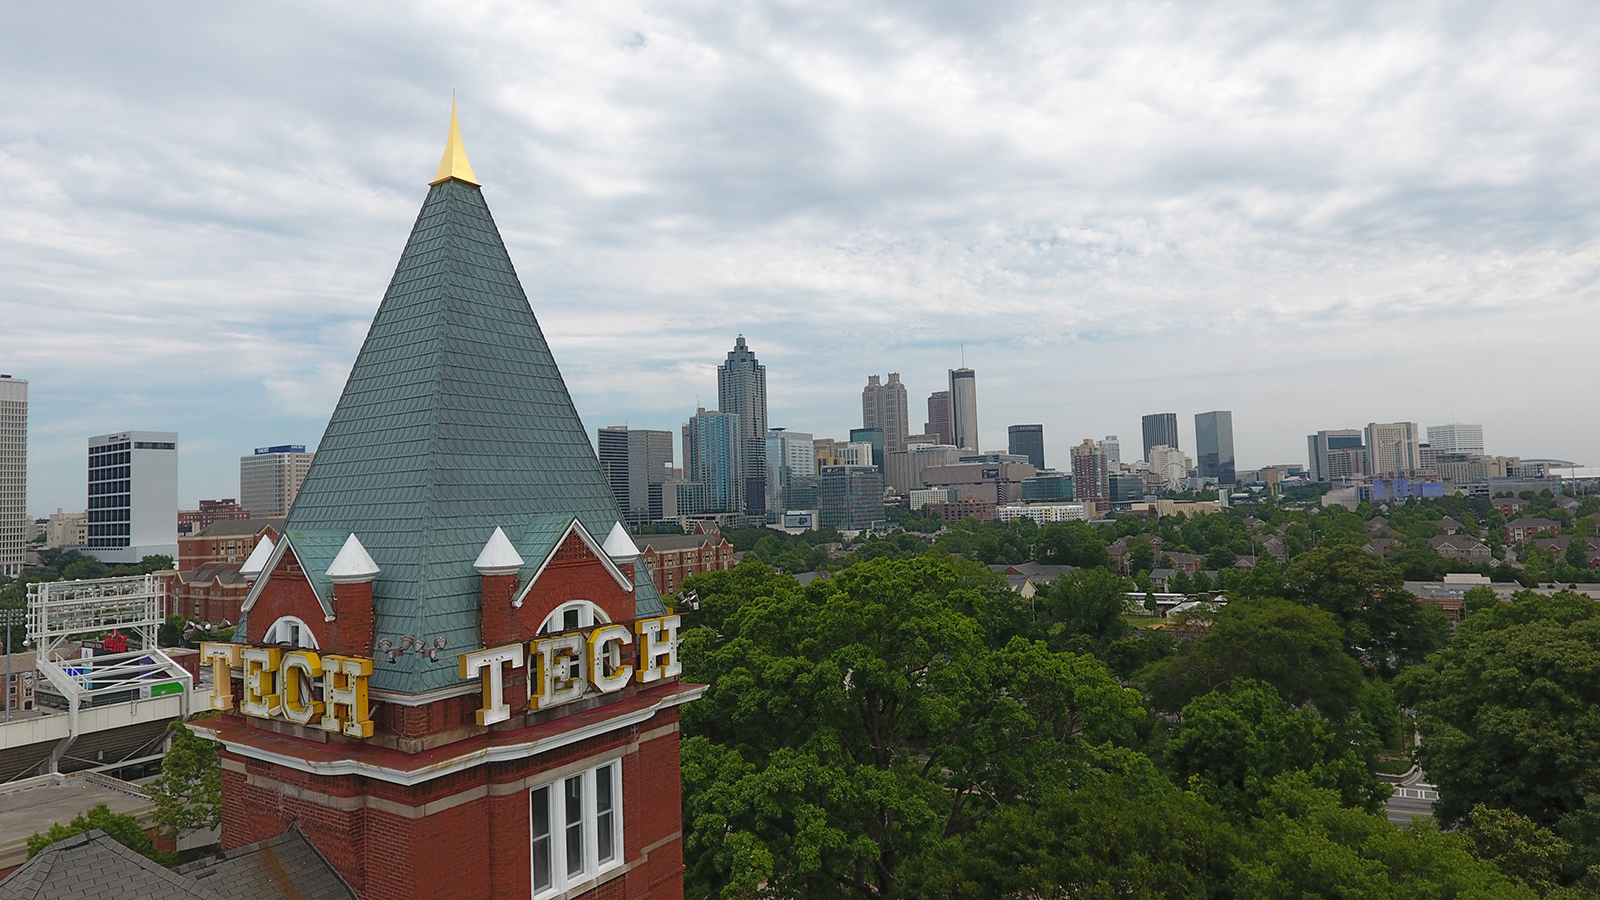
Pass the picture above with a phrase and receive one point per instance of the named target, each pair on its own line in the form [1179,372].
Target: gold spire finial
[454,164]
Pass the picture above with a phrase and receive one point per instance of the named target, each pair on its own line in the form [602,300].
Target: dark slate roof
[227,527]
[454,420]
[660,542]
[287,866]
[94,866]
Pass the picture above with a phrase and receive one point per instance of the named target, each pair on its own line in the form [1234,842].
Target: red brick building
[1528,526]
[194,521]
[443,678]
[210,584]
[965,508]
[673,557]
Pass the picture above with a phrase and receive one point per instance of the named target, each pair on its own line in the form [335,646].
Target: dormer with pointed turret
[438,657]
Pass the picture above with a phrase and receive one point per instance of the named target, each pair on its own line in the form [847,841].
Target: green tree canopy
[1071,544]
[1510,713]
[188,793]
[852,724]
[123,828]
[1383,624]
[1232,744]
[1296,649]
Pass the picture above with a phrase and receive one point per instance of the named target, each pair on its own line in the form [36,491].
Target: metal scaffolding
[61,611]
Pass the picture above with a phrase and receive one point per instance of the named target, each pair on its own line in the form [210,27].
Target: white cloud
[1316,214]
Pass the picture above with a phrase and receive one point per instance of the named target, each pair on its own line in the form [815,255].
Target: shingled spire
[454,421]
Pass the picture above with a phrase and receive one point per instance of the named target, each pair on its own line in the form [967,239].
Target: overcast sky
[1317,215]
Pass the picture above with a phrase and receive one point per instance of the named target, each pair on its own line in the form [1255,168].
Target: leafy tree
[1232,744]
[188,792]
[1577,553]
[1518,847]
[1510,712]
[1383,623]
[852,724]
[87,567]
[1112,838]
[1087,602]
[1141,555]
[1295,649]
[1418,561]
[1307,844]
[122,828]
[1071,544]
[1478,599]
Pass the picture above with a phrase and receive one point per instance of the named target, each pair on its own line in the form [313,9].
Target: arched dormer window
[292,632]
[572,616]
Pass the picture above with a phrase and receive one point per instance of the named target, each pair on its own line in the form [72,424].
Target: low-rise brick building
[673,557]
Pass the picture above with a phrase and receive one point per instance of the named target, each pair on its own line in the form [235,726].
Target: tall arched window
[572,616]
[291,631]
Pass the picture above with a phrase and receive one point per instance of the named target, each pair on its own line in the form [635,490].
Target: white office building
[1393,449]
[133,496]
[1456,438]
[1045,513]
[14,521]
[270,478]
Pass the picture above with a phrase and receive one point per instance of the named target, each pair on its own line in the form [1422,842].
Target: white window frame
[589,615]
[278,633]
[554,798]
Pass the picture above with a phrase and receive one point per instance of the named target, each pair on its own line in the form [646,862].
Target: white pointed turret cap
[618,545]
[257,560]
[352,565]
[498,556]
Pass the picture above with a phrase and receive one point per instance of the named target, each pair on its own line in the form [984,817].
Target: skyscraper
[1320,444]
[964,408]
[791,472]
[133,495]
[713,455]
[1456,438]
[1027,440]
[1213,444]
[1113,450]
[742,392]
[1392,448]
[1160,430]
[636,462]
[883,406]
[1090,477]
[270,478]
[939,422]
[13,474]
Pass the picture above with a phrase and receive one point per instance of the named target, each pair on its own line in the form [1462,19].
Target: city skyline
[235,187]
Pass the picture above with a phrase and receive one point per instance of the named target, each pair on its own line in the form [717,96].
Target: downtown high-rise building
[13,474]
[742,392]
[1160,430]
[637,463]
[270,479]
[883,406]
[133,496]
[1213,445]
[713,456]
[1090,473]
[964,408]
[791,472]
[939,421]
[1027,440]
[1393,449]
[1323,443]
[1456,438]
[1113,450]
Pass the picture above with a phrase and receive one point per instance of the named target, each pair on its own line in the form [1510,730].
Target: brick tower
[453,672]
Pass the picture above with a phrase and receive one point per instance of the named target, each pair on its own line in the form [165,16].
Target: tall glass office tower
[1213,440]
[742,392]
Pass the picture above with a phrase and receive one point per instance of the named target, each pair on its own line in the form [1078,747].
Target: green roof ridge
[454,420]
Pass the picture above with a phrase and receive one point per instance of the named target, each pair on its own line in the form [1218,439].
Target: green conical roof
[454,421]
